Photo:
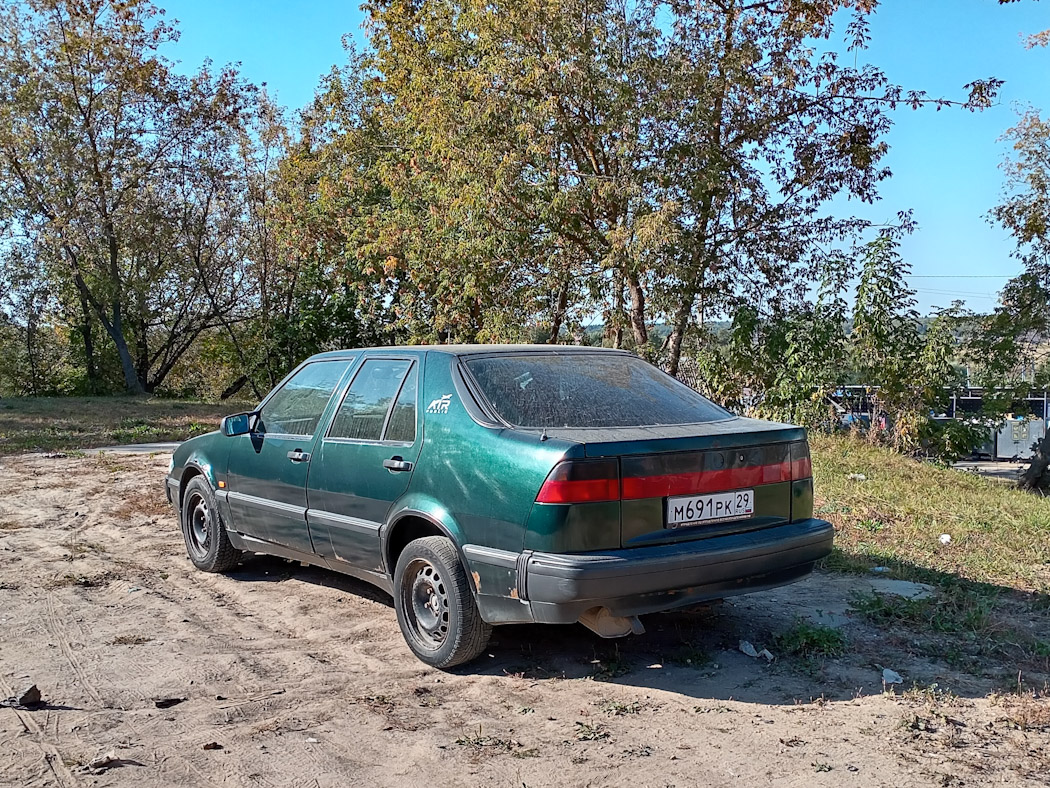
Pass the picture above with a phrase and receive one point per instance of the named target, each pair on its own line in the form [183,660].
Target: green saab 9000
[484,485]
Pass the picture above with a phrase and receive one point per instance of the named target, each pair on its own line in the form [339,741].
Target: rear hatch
[684,482]
[648,460]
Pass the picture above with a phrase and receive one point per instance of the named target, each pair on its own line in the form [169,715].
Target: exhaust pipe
[604,624]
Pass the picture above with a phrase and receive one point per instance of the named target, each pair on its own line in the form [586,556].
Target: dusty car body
[489,485]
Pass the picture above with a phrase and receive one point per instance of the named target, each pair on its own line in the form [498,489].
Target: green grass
[999,534]
[812,640]
[961,610]
[964,624]
[77,423]
[990,604]
[618,708]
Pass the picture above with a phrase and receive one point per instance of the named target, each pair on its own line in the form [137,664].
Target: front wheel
[435,609]
[208,545]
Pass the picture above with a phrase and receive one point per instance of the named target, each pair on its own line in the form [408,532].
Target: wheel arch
[192,469]
[407,526]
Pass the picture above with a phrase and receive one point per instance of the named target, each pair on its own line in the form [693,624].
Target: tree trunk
[127,363]
[614,327]
[34,375]
[559,312]
[234,387]
[681,324]
[115,327]
[89,346]
[641,334]
[1037,475]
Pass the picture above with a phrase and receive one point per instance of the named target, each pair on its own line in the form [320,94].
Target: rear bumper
[559,588]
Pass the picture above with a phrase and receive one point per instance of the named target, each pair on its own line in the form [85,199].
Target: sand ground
[300,677]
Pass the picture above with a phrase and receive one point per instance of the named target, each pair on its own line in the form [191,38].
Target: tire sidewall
[198,485]
[444,654]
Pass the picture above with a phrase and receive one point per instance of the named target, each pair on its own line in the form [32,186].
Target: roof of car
[466,350]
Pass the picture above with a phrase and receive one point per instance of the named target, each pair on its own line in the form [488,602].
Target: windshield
[587,390]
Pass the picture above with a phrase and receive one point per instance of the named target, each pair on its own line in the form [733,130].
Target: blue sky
[945,164]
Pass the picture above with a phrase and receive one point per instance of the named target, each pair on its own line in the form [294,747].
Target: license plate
[684,510]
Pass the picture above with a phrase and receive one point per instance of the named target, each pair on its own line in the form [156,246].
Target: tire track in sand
[48,751]
[60,632]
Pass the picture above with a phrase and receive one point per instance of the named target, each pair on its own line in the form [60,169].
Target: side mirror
[238,424]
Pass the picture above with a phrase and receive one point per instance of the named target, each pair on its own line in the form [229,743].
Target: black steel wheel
[204,532]
[435,607]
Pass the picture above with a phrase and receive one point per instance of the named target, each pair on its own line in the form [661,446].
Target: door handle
[299,456]
[397,464]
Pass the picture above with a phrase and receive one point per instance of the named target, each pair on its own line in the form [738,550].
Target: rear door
[267,471]
[364,461]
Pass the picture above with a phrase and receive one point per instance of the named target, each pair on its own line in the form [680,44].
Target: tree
[1012,344]
[117,169]
[33,348]
[910,369]
[650,162]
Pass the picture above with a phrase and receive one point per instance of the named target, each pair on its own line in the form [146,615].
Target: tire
[435,607]
[203,530]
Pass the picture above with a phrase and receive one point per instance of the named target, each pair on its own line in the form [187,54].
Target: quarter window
[363,411]
[297,406]
[402,425]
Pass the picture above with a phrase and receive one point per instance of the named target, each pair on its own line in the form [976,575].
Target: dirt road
[300,677]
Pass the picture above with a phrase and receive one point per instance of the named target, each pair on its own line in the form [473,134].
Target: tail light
[582,481]
[589,481]
[801,466]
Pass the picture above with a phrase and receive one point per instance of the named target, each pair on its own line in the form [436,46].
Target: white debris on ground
[891,677]
[751,651]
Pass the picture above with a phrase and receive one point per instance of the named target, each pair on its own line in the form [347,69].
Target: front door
[266,478]
[364,461]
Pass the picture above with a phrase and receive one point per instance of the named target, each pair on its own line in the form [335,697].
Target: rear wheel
[207,544]
[435,609]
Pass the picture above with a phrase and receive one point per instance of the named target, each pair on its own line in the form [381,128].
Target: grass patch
[482,744]
[1029,711]
[962,624]
[71,423]
[77,548]
[690,654]
[609,666]
[587,732]
[618,708]
[960,612]
[895,517]
[812,640]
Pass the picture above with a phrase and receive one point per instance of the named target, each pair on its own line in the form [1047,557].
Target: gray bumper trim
[555,579]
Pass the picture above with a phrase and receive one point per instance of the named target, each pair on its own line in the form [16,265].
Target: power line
[954,293]
[960,276]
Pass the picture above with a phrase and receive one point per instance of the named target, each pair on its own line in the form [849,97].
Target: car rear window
[587,390]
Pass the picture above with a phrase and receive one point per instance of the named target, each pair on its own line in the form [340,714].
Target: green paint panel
[802,499]
[571,528]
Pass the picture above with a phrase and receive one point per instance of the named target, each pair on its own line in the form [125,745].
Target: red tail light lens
[801,466]
[582,481]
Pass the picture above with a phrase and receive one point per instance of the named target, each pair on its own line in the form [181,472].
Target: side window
[402,425]
[296,407]
[363,410]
